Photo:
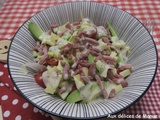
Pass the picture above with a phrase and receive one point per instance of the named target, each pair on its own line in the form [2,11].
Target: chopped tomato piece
[52,61]
[38,79]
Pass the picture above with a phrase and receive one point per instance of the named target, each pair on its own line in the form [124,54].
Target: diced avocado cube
[120,59]
[64,95]
[84,26]
[74,97]
[114,38]
[109,86]
[113,54]
[85,71]
[119,44]
[118,88]
[35,30]
[54,37]
[95,92]
[61,42]
[85,91]
[104,72]
[54,51]
[59,66]
[35,53]
[125,73]
[102,68]
[99,66]
[49,89]
[114,71]
[66,37]
[78,81]
[102,45]
[72,39]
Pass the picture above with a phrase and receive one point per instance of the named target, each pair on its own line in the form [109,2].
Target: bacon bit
[77,71]
[60,57]
[78,46]
[84,55]
[112,93]
[99,81]
[116,78]
[74,65]
[63,63]
[96,49]
[77,22]
[65,72]
[106,40]
[42,60]
[73,88]
[124,84]
[91,40]
[62,90]
[87,79]
[110,74]
[45,55]
[53,26]
[71,71]
[108,33]
[109,58]
[60,33]
[95,53]
[49,32]
[99,57]
[90,32]
[66,48]
[92,70]
[84,63]
[38,48]
[126,66]
[68,26]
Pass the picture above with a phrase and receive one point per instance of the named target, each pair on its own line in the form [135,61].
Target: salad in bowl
[79,61]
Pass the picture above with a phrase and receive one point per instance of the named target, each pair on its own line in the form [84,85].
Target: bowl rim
[97,117]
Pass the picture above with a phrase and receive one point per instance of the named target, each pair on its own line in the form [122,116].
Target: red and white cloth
[15,12]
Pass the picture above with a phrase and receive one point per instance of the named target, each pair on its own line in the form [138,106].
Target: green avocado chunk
[35,30]
[74,97]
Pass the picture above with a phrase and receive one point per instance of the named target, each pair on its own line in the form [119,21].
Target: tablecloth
[15,12]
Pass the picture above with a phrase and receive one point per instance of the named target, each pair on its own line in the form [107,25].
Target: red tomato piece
[52,61]
[38,79]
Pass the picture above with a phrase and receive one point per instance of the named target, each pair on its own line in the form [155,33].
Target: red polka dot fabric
[14,13]
[14,106]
